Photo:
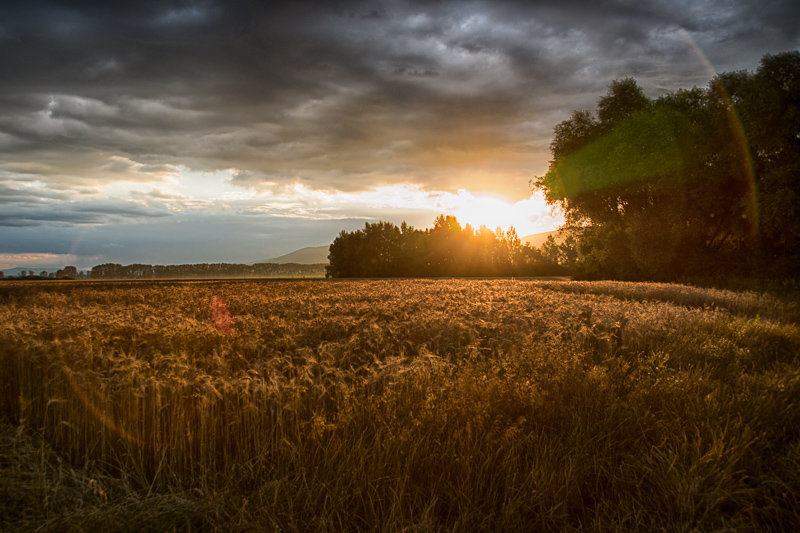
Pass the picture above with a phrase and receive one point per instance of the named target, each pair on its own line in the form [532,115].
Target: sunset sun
[528,216]
[490,212]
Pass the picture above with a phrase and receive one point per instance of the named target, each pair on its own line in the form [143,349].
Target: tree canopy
[695,182]
[382,249]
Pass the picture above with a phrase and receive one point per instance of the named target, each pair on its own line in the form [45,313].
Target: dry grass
[398,405]
[747,303]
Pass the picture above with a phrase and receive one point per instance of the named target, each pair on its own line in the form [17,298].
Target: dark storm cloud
[293,90]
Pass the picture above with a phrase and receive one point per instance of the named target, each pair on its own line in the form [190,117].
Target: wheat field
[402,405]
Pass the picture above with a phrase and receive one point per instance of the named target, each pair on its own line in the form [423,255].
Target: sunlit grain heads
[497,396]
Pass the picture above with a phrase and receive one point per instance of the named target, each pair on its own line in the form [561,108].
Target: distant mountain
[304,256]
[538,239]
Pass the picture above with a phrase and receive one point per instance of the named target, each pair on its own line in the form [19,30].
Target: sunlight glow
[487,211]
[192,190]
[527,216]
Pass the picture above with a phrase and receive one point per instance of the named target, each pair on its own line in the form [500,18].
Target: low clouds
[27,208]
[99,100]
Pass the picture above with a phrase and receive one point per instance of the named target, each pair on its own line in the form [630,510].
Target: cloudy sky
[201,131]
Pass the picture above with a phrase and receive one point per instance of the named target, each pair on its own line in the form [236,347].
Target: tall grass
[748,303]
[421,405]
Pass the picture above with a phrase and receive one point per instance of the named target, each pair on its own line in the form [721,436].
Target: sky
[169,132]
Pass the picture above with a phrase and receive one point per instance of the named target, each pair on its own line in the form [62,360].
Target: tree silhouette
[384,250]
[698,181]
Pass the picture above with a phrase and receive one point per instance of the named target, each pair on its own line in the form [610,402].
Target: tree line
[382,249]
[204,270]
[68,272]
[696,182]
[197,270]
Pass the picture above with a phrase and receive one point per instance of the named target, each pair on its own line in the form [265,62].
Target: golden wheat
[461,404]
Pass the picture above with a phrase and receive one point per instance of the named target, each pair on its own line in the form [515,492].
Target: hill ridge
[305,256]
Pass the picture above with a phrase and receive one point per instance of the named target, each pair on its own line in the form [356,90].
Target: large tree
[674,186]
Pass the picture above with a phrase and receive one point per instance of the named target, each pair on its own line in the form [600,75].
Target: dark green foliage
[695,183]
[624,99]
[376,251]
[67,272]
[382,250]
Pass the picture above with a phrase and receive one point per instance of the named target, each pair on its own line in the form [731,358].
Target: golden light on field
[247,388]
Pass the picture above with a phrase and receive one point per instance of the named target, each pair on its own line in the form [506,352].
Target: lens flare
[738,131]
[222,318]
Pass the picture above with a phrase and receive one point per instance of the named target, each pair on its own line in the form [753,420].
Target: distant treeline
[698,182]
[383,249]
[68,272]
[206,270]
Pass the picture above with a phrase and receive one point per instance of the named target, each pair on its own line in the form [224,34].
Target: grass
[418,405]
